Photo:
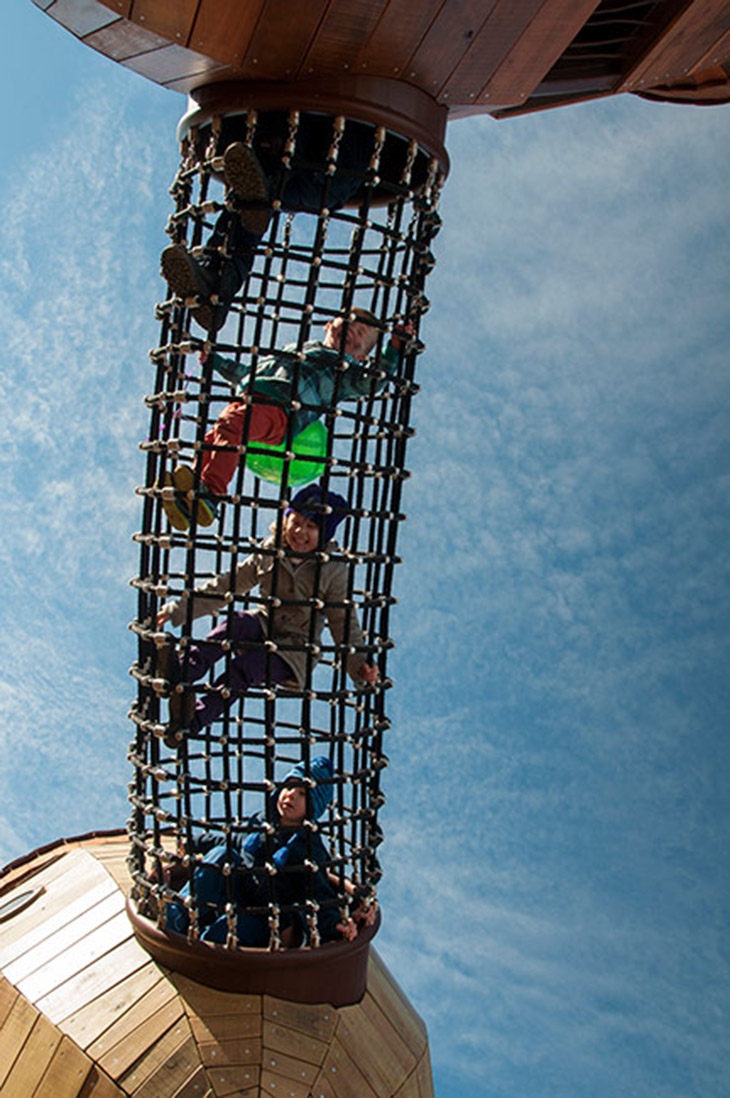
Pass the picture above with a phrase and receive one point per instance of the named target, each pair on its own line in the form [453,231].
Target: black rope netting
[286,226]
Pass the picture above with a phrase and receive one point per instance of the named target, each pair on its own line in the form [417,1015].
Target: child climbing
[315,380]
[293,580]
[303,183]
[285,842]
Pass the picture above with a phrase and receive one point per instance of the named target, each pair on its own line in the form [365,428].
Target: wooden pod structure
[419,63]
[85,1011]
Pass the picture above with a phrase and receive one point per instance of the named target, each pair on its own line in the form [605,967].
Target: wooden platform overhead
[462,56]
[86,1013]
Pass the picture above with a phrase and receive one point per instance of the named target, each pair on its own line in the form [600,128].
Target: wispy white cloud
[556,818]
[588,995]
[77,291]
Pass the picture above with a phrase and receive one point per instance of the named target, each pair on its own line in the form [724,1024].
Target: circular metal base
[401,108]
[335,973]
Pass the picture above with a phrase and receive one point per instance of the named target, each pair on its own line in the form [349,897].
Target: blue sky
[557,889]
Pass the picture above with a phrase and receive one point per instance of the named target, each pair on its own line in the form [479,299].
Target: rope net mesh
[335,216]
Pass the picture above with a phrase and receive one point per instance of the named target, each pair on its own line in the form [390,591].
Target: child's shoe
[182,714]
[178,506]
[207,507]
[181,703]
[244,176]
[188,278]
[168,665]
[175,507]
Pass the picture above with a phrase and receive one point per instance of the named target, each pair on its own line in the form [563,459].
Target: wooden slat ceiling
[468,56]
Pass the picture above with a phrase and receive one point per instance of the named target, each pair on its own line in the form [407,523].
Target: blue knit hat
[320,771]
[308,502]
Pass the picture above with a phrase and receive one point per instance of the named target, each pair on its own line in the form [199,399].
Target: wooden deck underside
[84,1011]
[466,56]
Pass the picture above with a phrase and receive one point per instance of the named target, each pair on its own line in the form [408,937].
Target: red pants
[267,424]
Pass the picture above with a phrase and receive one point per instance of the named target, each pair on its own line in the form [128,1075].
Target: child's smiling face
[359,341]
[301,534]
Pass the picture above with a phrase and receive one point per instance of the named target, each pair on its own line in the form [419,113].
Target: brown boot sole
[183,276]
[243,175]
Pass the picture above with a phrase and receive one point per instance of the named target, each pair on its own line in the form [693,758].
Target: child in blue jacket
[304,794]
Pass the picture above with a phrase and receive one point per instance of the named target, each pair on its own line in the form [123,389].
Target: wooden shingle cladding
[86,1013]
[471,56]
[698,37]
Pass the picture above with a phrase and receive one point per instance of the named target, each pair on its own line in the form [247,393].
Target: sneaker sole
[176,510]
[207,318]
[243,175]
[180,273]
[184,480]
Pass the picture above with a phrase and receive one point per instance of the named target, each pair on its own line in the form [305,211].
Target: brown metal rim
[335,973]
[401,108]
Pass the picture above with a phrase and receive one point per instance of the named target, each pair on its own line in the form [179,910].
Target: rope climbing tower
[347,211]
[304,211]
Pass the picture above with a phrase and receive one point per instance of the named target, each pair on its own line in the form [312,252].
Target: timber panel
[393,1001]
[34,1057]
[283,1066]
[473,55]
[224,31]
[93,1019]
[173,22]
[281,39]
[346,22]
[448,39]
[507,60]
[420,1083]
[368,1027]
[400,31]
[343,1075]
[117,1057]
[8,995]
[42,982]
[175,65]
[238,1051]
[108,1021]
[694,36]
[81,17]
[278,1038]
[97,1085]
[93,980]
[279,1086]
[48,917]
[120,41]
[66,1074]
[16,1030]
[57,944]
[175,1046]
[313,1021]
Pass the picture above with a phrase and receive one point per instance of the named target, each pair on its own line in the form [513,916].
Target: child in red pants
[315,379]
